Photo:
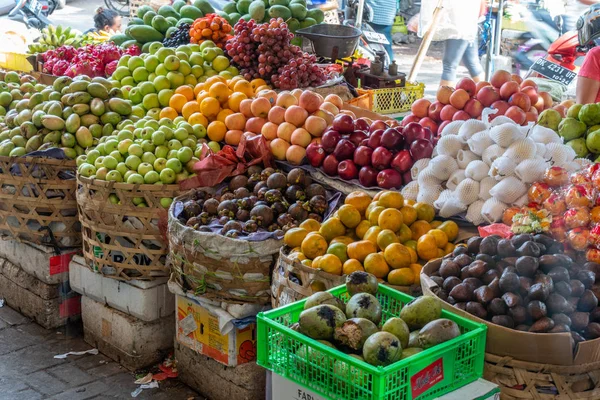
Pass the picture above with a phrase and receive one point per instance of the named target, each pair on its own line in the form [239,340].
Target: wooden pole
[426,42]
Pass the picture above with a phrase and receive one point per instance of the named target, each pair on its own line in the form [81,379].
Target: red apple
[367,176]
[443,94]
[362,156]
[474,108]
[429,123]
[376,125]
[421,148]
[381,158]
[529,82]
[315,154]
[434,111]
[375,139]
[344,150]
[347,170]
[531,116]
[364,142]
[343,123]
[329,140]
[548,101]
[461,116]
[420,107]
[424,134]
[508,89]
[459,98]
[562,110]
[487,95]
[516,78]
[408,119]
[442,126]
[468,85]
[392,139]
[389,179]
[330,165]
[356,137]
[361,124]
[501,106]
[516,114]
[481,85]
[411,131]
[447,112]
[520,100]
[402,162]
[500,77]
[532,93]
[406,178]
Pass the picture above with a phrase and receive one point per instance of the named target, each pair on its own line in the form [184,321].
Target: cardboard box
[199,329]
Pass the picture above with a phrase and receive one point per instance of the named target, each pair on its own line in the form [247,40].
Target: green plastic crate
[335,375]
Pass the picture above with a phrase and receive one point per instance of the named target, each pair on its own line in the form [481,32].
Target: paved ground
[78,14]
[29,371]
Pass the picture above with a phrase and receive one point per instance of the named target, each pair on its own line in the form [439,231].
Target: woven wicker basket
[123,241]
[37,201]
[528,380]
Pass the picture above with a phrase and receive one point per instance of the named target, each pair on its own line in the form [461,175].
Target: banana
[58,30]
[68,33]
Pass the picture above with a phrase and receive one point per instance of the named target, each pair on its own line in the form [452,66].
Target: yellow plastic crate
[395,100]
[364,100]
[15,61]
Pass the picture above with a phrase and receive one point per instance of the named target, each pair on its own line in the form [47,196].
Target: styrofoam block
[146,300]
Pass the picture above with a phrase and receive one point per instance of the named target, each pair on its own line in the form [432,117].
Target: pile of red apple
[377,154]
[512,96]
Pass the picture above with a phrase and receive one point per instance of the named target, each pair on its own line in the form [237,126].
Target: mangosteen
[250,226]
[316,217]
[296,176]
[204,228]
[314,189]
[261,193]
[241,192]
[244,204]
[227,208]
[295,193]
[205,218]
[237,182]
[458,250]
[223,220]
[231,226]
[259,186]
[200,195]
[193,222]
[253,181]
[279,208]
[253,199]
[273,227]
[254,169]
[298,212]
[263,215]
[276,180]
[265,173]
[242,215]
[191,209]
[227,196]
[232,234]
[284,219]
[278,233]
[273,195]
[261,203]
[318,204]
[211,206]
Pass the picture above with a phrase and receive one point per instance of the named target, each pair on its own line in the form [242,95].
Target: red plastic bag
[501,230]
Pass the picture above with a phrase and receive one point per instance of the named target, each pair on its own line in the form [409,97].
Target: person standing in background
[384,13]
[573,10]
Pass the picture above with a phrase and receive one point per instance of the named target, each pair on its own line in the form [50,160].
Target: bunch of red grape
[264,51]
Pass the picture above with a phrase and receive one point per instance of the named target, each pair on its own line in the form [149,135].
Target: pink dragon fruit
[133,50]
[109,52]
[111,67]
[84,67]
[70,72]
[60,67]
[49,65]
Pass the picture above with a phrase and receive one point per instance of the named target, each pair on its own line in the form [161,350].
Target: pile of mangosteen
[262,199]
[528,283]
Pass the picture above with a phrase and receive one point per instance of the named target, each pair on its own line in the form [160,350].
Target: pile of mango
[386,236]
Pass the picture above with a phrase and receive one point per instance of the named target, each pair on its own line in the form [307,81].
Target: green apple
[176,78]
[147,88]
[100,148]
[197,70]
[148,157]
[142,205]
[109,162]
[151,101]
[166,202]
[160,164]
[182,176]
[136,150]
[199,131]
[189,166]
[185,49]
[114,199]
[172,154]
[133,162]
[148,146]
[123,146]
[144,168]
[80,160]
[138,200]
[155,47]
[128,174]
[175,165]
[125,134]
[99,163]
[161,82]
[174,144]
[151,62]
[196,59]
[185,154]
[171,63]
[167,176]
[161,70]
[178,119]
[158,138]
[110,146]
[114,176]
[151,177]
[151,123]
[137,133]
[194,47]
[135,62]
[166,122]
[198,152]
[161,151]
[181,134]
[123,61]
[189,142]
[87,170]
[116,155]
[168,132]
[208,54]
[92,156]
[135,178]
[214,146]
[122,168]
[154,113]
[101,173]
[207,44]
[184,68]
[147,133]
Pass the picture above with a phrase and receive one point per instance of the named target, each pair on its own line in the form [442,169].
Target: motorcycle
[33,13]
[120,6]
[359,15]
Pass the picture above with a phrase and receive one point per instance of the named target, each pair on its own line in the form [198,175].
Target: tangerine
[342,239]
[374,215]
[331,264]
[419,228]
[425,211]
[294,237]
[404,233]
[413,254]
[338,250]
[372,233]
[370,207]
[435,223]
[310,225]
[409,214]
[332,228]
[389,199]
[401,277]
[450,228]
[216,131]
[244,86]
[314,245]
[219,91]
[390,218]
[223,114]
[449,248]
[361,249]
[362,228]
[375,264]
[190,108]
[411,244]
[397,256]
[198,119]
[186,91]
[385,238]
[235,99]
[360,200]
[210,107]
[349,216]
[441,240]
[416,269]
[352,265]
[168,112]
[177,101]
[427,248]
[315,262]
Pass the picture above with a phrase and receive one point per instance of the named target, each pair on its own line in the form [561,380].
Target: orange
[413,254]
[310,225]
[595,214]
[377,196]
[360,200]
[416,269]
[168,112]
[397,256]
[187,91]
[210,107]
[313,246]
[425,211]
[361,249]
[352,265]
[297,256]
[244,86]
[216,131]
[349,216]
[198,88]
[223,114]
[212,80]
[409,202]
[372,233]
[389,199]
[411,244]
[362,228]
[342,239]
[332,228]
[201,96]
[440,253]
[294,237]
[235,99]
[401,277]
[385,238]
[231,82]
[370,207]
[315,285]
[450,228]
[198,118]
[419,228]
[427,248]
[441,240]
[374,215]
[190,108]
[390,218]
[409,215]
[448,248]
[434,224]
[315,262]
[331,264]
[256,83]
[233,137]
[219,91]
[375,264]
[338,250]
[177,102]
[404,233]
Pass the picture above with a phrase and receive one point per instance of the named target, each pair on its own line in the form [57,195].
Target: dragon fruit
[60,67]
[110,67]
[133,50]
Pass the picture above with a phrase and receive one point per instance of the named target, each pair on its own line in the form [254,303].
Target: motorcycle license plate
[34,6]
[375,37]
[553,71]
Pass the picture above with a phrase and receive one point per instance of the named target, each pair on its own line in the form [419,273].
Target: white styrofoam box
[145,300]
[34,259]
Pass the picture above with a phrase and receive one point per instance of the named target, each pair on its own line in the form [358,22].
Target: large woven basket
[37,201]
[528,380]
[122,240]
[218,267]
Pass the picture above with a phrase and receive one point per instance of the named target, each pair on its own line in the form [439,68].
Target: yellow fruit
[370,208]
[448,248]
[244,87]
[397,256]
[419,228]
[435,224]
[294,237]
[360,200]
[352,265]
[219,91]
[409,215]
[198,118]
[401,277]
[427,248]
[235,99]
[256,83]
[389,199]
[362,228]
[177,101]
[413,254]
[390,218]
[189,109]
[371,234]
[314,245]
[315,262]
[440,253]
[342,239]
[310,225]
[306,262]
[377,195]
[416,269]
[409,203]
[374,215]
[223,114]
[349,216]
[331,264]
[297,256]
[385,238]
[168,112]
[216,131]
[338,250]
[425,211]
[332,228]
[411,244]
[441,240]
[375,264]
[450,228]
[210,107]
[360,250]
[404,233]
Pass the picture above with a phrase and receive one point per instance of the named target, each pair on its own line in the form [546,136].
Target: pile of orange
[385,235]
[211,27]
